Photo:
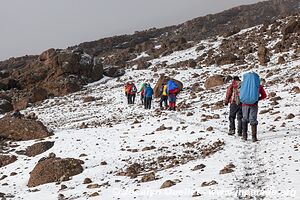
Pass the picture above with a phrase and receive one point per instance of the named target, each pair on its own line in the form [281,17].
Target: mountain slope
[135,142]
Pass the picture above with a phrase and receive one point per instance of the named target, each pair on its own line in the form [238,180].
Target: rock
[198,167]
[22,104]
[38,94]
[38,148]
[89,99]
[103,163]
[148,148]
[53,170]
[281,60]
[210,128]
[213,81]
[213,182]
[83,126]
[161,80]
[114,72]
[163,127]
[226,59]
[167,184]
[7,159]
[22,129]
[93,186]
[94,194]
[148,177]
[296,89]
[262,55]
[62,187]
[87,181]
[290,116]
[226,170]
[5,106]
[132,171]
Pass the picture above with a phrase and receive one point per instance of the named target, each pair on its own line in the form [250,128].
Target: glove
[226,103]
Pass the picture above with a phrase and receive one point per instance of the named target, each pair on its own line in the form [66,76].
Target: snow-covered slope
[122,135]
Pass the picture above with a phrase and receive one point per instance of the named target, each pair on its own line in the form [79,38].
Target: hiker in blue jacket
[148,96]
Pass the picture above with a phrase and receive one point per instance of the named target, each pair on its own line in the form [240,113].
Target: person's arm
[228,94]
[262,93]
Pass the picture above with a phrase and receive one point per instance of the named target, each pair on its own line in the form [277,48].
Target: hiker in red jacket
[250,112]
[130,92]
[233,98]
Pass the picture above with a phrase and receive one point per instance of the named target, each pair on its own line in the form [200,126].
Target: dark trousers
[235,112]
[131,98]
[163,100]
[147,102]
[142,99]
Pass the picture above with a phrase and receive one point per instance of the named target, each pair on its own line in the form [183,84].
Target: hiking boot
[240,134]
[254,133]
[231,132]
[245,135]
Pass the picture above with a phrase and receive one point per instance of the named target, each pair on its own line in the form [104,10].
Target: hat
[236,78]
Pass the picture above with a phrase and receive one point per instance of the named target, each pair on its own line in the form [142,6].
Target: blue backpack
[171,85]
[249,92]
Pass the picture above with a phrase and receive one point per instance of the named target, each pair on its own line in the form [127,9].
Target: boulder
[213,81]
[54,170]
[226,59]
[22,129]
[114,72]
[38,94]
[160,81]
[263,55]
[6,159]
[38,148]
[5,106]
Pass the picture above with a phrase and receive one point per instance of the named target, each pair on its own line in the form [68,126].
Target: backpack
[249,92]
[133,89]
[171,85]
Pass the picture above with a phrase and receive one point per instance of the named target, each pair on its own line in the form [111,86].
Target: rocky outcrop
[54,170]
[17,129]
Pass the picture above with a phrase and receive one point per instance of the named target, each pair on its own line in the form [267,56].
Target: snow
[269,168]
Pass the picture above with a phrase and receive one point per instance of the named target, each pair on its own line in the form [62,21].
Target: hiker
[163,96]
[172,90]
[250,93]
[130,92]
[233,98]
[148,96]
[142,91]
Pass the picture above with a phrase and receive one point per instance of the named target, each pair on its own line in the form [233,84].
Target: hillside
[130,153]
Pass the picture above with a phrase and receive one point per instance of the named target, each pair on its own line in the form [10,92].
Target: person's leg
[232,114]
[145,103]
[253,122]
[245,120]
[132,98]
[150,99]
[128,98]
[166,101]
[239,119]
[161,102]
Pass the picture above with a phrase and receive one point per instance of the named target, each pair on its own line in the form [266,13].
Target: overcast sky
[31,26]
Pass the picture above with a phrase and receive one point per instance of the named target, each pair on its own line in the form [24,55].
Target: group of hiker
[243,98]
[168,91]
